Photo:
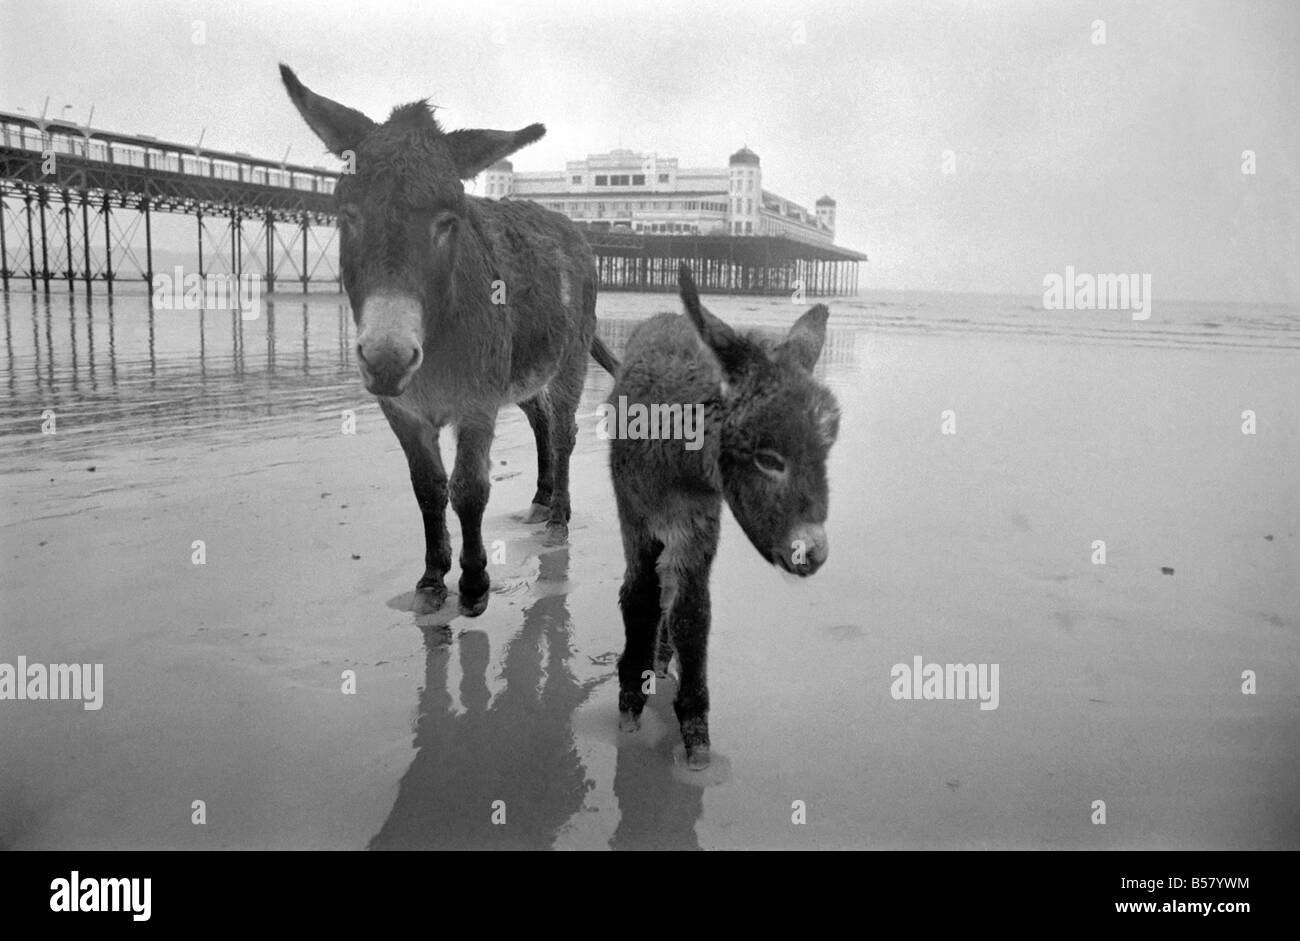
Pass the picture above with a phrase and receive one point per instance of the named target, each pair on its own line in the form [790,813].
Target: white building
[625,190]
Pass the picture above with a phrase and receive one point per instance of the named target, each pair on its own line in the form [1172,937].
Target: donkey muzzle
[806,551]
[389,347]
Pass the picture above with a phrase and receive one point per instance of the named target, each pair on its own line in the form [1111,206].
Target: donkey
[462,305]
[768,427]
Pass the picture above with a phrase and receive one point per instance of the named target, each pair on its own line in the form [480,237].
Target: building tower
[499,180]
[745,192]
[826,213]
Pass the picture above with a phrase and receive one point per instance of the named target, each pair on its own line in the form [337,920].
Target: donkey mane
[417,115]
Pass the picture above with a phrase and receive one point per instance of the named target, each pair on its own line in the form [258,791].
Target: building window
[663,178]
[749,228]
[638,180]
[618,180]
[577,179]
[602,180]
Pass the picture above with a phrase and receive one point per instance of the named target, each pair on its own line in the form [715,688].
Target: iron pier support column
[41,197]
[234,243]
[85,240]
[270,252]
[4,247]
[108,246]
[31,243]
[67,238]
[148,243]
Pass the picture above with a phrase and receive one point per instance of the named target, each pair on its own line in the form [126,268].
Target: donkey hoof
[473,607]
[628,722]
[537,513]
[429,597]
[557,534]
[697,757]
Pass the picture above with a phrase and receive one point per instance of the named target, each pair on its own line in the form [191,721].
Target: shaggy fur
[769,427]
[475,304]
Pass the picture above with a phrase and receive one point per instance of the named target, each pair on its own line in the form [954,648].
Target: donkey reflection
[519,750]
[656,810]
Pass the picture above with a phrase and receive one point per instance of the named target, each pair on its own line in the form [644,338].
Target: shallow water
[224,680]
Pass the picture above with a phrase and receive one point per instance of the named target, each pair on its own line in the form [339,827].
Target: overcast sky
[1122,157]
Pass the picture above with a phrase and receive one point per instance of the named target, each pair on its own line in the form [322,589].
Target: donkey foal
[768,428]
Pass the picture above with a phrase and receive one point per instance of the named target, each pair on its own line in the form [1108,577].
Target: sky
[969,146]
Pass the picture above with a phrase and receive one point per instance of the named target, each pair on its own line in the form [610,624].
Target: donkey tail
[601,354]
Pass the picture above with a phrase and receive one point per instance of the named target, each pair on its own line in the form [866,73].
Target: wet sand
[223,681]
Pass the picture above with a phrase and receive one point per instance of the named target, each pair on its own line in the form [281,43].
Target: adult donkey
[462,305]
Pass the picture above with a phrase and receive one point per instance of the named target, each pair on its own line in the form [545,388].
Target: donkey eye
[442,227]
[770,462]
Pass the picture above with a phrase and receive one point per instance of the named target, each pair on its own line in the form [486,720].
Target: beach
[986,446]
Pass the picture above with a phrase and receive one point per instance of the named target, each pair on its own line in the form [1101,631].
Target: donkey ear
[473,151]
[717,336]
[340,127]
[803,343]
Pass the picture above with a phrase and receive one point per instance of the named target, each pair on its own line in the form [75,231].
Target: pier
[78,205]
[724,264]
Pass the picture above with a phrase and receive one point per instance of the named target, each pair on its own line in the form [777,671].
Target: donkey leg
[684,570]
[470,484]
[663,649]
[539,417]
[688,622]
[639,600]
[429,481]
[564,434]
